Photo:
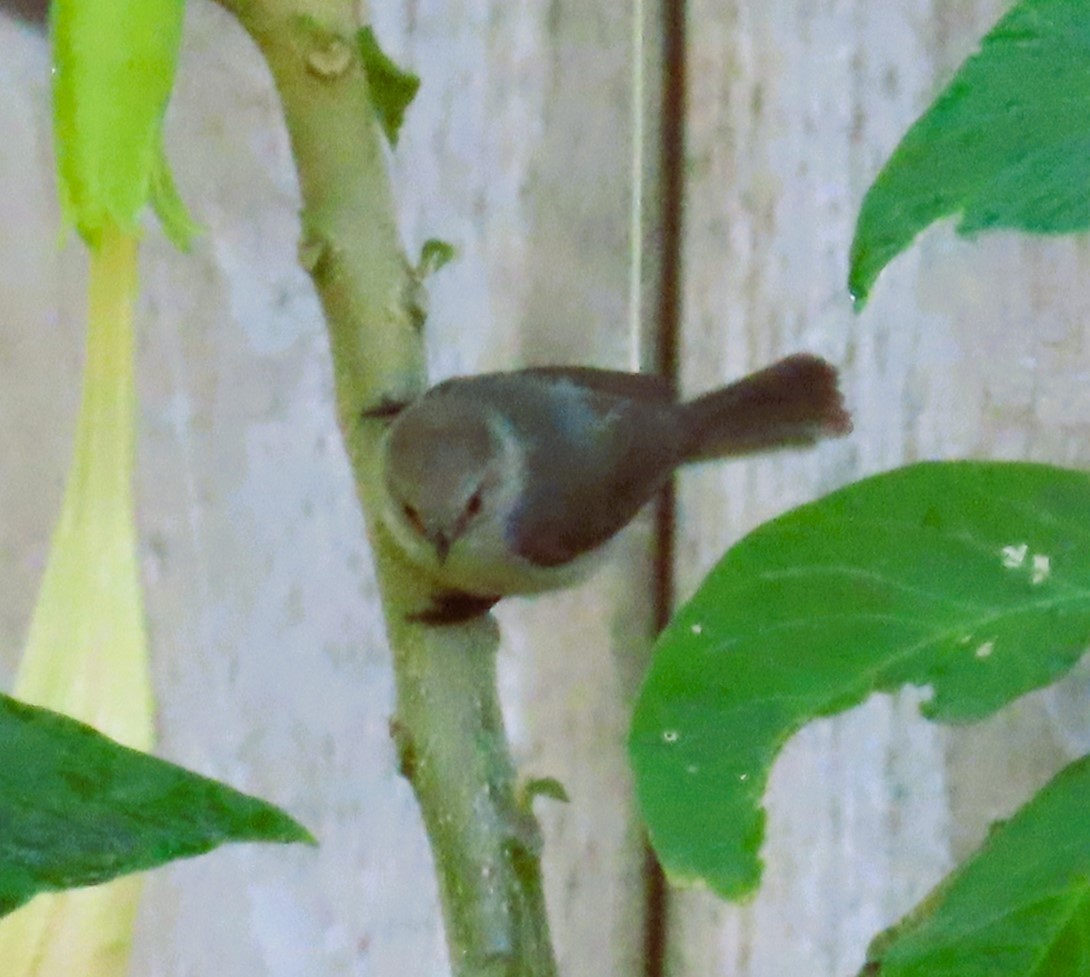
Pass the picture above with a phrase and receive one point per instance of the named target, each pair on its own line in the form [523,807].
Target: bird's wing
[612,383]
[616,441]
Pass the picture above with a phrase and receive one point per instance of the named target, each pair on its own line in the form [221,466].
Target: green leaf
[1020,907]
[973,578]
[77,809]
[548,787]
[168,206]
[434,255]
[1006,144]
[392,88]
[114,63]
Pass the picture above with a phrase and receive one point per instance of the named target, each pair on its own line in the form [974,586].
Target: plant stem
[448,727]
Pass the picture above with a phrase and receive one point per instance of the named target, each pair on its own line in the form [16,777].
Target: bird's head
[445,472]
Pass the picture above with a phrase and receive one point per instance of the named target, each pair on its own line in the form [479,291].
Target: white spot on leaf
[1014,556]
[697,629]
[1018,557]
[669,736]
[985,649]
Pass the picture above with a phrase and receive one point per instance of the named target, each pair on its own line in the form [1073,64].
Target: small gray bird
[509,483]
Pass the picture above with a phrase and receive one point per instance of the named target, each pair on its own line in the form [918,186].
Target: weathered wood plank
[526,170]
[270,662]
[269,655]
[967,349]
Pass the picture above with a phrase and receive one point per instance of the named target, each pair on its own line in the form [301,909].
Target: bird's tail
[790,403]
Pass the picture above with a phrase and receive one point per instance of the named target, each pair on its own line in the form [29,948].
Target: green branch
[448,728]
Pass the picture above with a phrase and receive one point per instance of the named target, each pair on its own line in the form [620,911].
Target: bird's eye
[413,517]
[473,507]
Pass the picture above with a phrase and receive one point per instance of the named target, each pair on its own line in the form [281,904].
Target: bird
[511,483]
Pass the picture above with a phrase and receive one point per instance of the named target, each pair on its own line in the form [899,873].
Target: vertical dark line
[671,216]
[672,184]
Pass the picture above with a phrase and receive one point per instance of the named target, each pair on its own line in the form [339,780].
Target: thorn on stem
[330,57]
[315,253]
[454,608]
[385,410]
[406,751]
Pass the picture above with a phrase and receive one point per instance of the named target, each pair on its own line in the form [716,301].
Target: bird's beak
[442,546]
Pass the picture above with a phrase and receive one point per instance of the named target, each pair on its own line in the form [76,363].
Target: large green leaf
[114,63]
[1020,907]
[1006,144]
[973,578]
[77,808]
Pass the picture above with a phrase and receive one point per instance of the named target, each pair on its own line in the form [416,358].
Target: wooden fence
[269,655]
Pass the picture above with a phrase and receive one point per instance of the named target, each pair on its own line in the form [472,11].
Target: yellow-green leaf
[114,63]
[434,255]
